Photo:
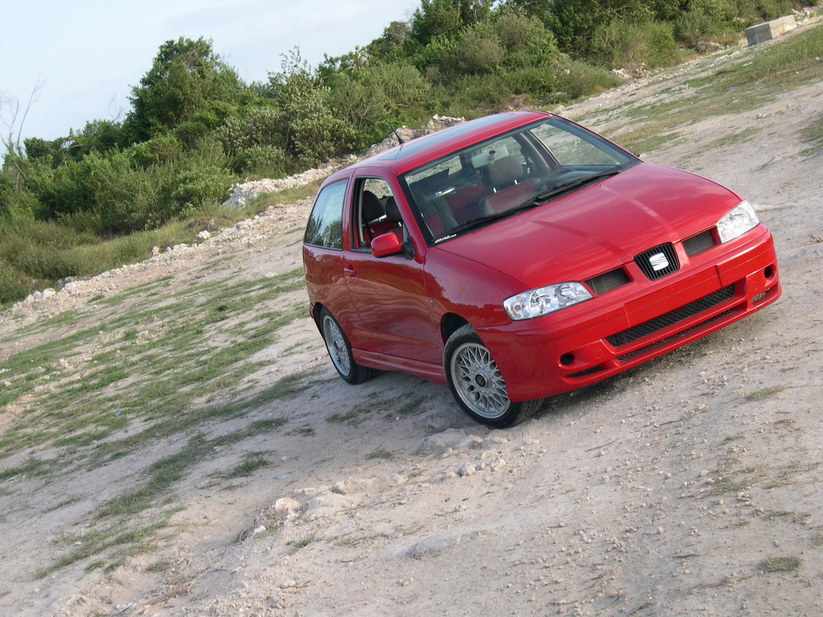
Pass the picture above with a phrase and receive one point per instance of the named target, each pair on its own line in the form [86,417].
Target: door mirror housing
[386,244]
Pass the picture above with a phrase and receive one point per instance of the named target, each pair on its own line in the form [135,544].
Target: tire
[476,382]
[340,353]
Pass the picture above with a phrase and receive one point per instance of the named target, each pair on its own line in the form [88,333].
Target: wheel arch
[451,323]
[316,310]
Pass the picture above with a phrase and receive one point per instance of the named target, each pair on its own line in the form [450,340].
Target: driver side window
[375,212]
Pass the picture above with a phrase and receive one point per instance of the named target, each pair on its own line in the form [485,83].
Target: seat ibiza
[521,255]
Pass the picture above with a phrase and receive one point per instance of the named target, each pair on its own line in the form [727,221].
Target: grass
[780,564]
[813,135]
[114,519]
[161,374]
[303,542]
[36,254]
[97,542]
[380,453]
[356,415]
[733,138]
[286,196]
[736,483]
[251,462]
[764,393]
[735,88]
[303,431]
[411,406]
[155,365]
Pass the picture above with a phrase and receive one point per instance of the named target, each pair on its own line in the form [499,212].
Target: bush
[199,186]
[403,85]
[630,44]
[17,203]
[536,81]
[164,148]
[478,51]
[577,79]
[261,161]
[40,250]
[259,126]
[706,20]
[14,284]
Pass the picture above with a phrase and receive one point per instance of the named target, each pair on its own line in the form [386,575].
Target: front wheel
[340,353]
[476,382]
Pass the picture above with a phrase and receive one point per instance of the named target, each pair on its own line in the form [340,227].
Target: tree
[13,117]
[187,82]
[446,17]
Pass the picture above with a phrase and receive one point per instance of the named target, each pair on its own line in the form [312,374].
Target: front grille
[609,280]
[672,317]
[699,243]
[659,261]
[640,350]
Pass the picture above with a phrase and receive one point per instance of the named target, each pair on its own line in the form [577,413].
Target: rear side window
[325,226]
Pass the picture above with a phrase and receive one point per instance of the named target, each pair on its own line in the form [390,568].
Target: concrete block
[770,29]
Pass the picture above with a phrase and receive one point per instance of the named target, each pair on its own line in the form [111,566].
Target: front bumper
[638,321]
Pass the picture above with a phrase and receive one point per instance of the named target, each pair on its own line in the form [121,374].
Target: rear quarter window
[325,226]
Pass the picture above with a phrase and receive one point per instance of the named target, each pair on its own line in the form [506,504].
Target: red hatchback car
[521,255]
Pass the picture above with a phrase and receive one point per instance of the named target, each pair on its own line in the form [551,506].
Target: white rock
[286,507]
[450,438]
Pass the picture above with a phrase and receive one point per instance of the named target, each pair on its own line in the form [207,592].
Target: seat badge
[658,262]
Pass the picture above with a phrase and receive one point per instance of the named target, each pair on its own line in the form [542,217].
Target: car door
[389,293]
[324,257]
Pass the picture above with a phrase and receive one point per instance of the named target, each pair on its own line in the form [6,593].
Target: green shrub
[576,79]
[478,51]
[475,92]
[712,20]
[628,44]
[14,284]
[198,186]
[39,250]
[538,82]
[163,148]
[261,161]
[258,127]
[17,203]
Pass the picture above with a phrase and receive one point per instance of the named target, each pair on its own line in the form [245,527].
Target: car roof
[416,152]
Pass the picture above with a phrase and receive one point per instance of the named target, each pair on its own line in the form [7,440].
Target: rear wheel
[476,382]
[340,353]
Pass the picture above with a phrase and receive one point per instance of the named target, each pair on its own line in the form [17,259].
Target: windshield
[509,173]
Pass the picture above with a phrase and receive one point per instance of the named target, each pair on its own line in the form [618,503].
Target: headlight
[543,300]
[737,221]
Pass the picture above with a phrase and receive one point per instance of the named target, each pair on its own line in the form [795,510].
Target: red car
[521,255]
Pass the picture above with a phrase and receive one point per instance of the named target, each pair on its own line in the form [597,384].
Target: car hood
[596,228]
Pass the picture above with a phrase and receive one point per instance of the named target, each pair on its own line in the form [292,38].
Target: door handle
[349,270]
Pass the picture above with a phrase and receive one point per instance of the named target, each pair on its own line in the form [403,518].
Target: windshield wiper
[471,224]
[564,187]
[538,199]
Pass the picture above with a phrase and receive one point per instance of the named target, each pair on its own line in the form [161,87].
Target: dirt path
[691,485]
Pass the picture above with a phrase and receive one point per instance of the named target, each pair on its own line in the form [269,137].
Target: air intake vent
[671,318]
[699,243]
[659,261]
[609,280]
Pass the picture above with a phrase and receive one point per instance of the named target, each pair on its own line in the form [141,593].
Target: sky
[82,57]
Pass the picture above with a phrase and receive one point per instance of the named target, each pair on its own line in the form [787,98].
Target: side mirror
[386,244]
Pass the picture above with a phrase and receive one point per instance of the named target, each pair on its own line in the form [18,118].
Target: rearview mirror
[386,244]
